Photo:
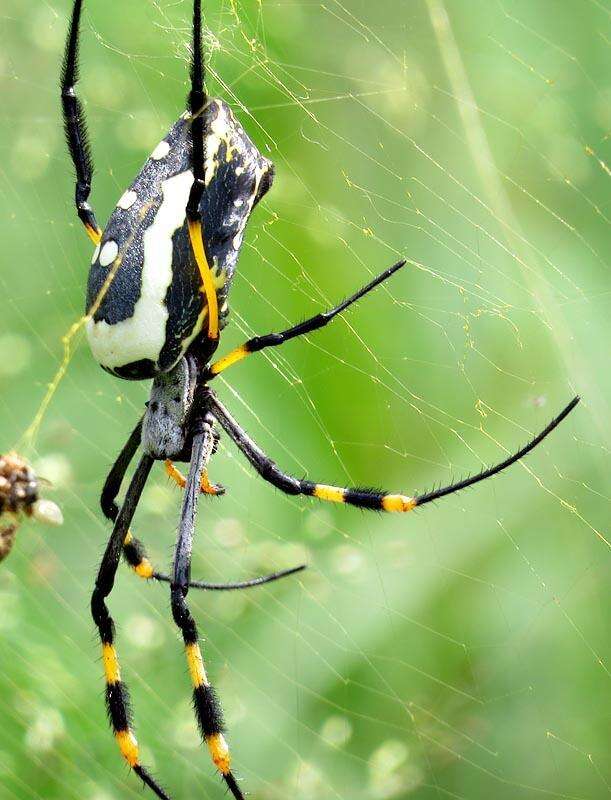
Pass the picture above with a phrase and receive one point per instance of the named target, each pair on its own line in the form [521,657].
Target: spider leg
[197,101]
[134,551]
[362,498]
[207,707]
[309,325]
[117,696]
[76,128]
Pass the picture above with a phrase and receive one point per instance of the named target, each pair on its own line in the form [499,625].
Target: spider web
[461,651]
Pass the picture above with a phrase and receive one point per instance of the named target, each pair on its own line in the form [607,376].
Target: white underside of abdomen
[142,336]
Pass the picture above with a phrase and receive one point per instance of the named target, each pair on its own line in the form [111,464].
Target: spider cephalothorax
[156,303]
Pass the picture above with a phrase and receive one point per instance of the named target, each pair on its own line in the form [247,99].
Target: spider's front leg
[76,129]
[207,707]
[197,101]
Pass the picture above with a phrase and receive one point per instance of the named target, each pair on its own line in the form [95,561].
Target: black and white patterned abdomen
[144,292]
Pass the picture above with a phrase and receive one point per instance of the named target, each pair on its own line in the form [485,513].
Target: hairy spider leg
[362,498]
[134,551]
[75,127]
[207,708]
[309,325]
[117,695]
[197,101]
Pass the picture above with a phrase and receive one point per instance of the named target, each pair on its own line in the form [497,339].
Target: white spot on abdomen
[127,199]
[143,334]
[161,151]
[108,253]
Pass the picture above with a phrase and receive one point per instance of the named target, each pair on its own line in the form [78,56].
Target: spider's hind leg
[206,705]
[117,695]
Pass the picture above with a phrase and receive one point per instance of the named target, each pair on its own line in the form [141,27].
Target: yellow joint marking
[94,234]
[175,474]
[231,358]
[144,569]
[128,538]
[128,745]
[219,752]
[398,502]
[111,664]
[179,479]
[205,486]
[195,663]
[197,243]
[331,493]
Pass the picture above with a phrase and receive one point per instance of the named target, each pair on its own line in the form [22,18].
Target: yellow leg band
[195,663]
[197,243]
[144,569]
[331,493]
[94,235]
[398,502]
[205,486]
[231,358]
[111,664]
[128,745]
[219,752]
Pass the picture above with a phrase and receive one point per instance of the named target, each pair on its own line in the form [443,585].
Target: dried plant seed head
[19,497]
[48,512]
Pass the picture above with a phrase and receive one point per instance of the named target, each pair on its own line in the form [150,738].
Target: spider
[156,303]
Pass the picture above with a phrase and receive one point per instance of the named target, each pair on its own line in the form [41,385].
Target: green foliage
[462,651]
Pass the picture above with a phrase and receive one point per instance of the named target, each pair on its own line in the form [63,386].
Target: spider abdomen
[144,296]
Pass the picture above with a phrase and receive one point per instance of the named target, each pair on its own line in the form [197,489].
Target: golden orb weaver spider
[156,302]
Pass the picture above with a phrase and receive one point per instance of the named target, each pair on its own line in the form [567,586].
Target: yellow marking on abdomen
[195,663]
[219,752]
[398,502]
[111,664]
[196,236]
[331,493]
[231,358]
[128,745]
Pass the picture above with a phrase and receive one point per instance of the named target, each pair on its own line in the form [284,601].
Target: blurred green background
[462,651]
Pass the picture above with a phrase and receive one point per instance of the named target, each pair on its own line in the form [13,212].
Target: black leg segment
[362,498]
[76,128]
[312,324]
[117,695]
[207,707]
